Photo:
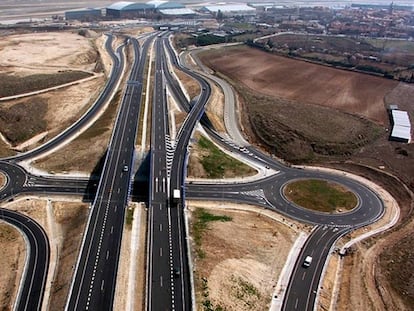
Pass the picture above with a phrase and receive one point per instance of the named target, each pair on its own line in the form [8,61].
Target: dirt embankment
[238,261]
[46,56]
[331,117]
[11,262]
[70,218]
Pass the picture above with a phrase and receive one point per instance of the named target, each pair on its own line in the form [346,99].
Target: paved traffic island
[320,195]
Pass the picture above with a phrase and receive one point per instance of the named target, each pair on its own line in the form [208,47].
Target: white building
[401,129]
[230,9]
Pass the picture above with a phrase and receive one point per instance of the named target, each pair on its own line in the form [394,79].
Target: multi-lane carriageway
[94,281]
[93,285]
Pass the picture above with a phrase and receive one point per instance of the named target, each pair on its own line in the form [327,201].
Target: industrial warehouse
[401,126]
[125,9]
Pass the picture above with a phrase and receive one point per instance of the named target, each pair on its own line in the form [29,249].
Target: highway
[93,285]
[162,292]
[168,277]
[167,221]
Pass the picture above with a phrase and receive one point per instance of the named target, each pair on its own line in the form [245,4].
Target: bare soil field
[352,136]
[242,260]
[290,124]
[304,82]
[50,113]
[12,262]
[85,152]
[32,55]
[70,220]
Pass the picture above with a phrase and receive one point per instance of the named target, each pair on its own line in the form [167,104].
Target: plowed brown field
[304,82]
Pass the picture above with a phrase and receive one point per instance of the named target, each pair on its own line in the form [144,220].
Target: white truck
[176,197]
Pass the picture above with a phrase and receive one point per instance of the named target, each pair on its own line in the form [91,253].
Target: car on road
[125,168]
[307,262]
[177,272]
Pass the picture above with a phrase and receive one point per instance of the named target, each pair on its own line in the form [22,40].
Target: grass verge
[129,217]
[202,218]
[217,164]
[320,195]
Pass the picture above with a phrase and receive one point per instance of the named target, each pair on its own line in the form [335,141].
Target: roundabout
[12,179]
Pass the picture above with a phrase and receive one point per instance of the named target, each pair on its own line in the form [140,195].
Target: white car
[307,262]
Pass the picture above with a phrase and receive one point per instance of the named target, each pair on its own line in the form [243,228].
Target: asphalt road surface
[303,287]
[30,296]
[168,276]
[162,294]
[93,287]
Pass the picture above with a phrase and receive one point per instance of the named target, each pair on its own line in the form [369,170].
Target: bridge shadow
[92,185]
[139,188]
[140,184]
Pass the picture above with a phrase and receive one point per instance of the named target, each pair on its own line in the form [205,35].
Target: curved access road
[30,295]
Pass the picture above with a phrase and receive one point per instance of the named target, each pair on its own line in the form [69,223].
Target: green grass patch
[241,26]
[217,164]
[320,195]
[14,85]
[247,288]
[202,219]
[129,217]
